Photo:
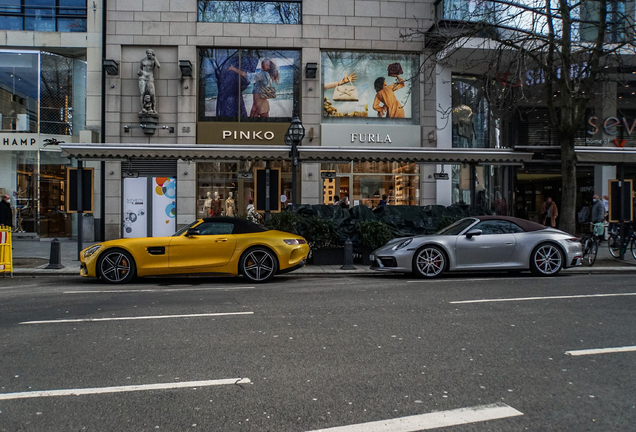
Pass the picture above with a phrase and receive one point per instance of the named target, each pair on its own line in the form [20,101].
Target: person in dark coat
[6,214]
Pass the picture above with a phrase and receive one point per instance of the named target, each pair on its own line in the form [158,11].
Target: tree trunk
[567,209]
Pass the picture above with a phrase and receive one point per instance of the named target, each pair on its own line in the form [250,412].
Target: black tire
[634,248]
[613,244]
[593,251]
[116,266]
[258,264]
[546,260]
[429,262]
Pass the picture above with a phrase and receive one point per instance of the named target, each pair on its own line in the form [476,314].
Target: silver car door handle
[510,244]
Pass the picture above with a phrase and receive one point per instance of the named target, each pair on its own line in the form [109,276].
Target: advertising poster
[135,207]
[164,210]
[371,85]
[248,85]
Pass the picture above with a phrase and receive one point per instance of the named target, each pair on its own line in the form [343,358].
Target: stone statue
[147,83]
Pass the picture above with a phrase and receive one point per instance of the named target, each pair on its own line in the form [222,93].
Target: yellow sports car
[219,245]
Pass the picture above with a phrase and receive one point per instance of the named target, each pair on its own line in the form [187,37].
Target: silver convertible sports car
[481,243]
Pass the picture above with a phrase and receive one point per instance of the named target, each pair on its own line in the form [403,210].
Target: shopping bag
[395,69]
[268,92]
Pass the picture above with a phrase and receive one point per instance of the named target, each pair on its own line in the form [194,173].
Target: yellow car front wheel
[116,266]
[258,264]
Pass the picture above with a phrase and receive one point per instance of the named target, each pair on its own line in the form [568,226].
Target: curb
[321,272]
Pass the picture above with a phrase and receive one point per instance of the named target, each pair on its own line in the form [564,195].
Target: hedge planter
[328,256]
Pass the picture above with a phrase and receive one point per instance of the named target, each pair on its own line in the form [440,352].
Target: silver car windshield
[457,227]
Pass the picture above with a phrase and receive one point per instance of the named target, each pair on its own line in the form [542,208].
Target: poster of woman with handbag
[385,102]
[263,88]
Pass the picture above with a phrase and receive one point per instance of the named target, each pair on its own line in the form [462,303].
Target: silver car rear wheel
[546,260]
[429,262]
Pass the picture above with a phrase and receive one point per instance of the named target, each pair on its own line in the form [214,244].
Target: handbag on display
[345,93]
[395,69]
[268,92]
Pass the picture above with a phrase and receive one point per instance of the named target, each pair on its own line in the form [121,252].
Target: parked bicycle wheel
[593,251]
[613,243]
[634,247]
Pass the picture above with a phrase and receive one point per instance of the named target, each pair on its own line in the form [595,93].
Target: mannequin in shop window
[216,207]
[207,205]
[230,206]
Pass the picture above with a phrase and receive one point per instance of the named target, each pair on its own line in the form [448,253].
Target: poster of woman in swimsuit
[248,85]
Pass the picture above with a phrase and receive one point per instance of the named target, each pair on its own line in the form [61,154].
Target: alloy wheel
[259,265]
[548,259]
[430,262]
[116,267]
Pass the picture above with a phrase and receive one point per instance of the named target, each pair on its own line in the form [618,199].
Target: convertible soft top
[526,225]
[241,226]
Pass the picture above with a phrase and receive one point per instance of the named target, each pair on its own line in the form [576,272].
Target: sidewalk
[30,258]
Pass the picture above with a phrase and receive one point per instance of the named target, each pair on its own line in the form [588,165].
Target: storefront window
[216,180]
[492,187]
[243,85]
[470,115]
[54,219]
[19,85]
[366,183]
[371,88]
[43,15]
[24,186]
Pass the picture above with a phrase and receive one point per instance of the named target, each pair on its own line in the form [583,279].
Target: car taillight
[573,240]
[295,241]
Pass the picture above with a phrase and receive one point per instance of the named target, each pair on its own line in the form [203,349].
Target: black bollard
[55,260]
[348,256]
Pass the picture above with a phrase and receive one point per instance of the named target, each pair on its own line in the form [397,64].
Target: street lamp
[293,137]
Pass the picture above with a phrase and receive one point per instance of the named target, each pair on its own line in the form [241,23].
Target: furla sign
[365,135]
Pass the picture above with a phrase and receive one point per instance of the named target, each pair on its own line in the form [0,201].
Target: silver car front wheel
[546,260]
[429,262]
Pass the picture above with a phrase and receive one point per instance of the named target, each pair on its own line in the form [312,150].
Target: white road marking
[601,351]
[136,318]
[544,298]
[157,290]
[433,420]
[122,389]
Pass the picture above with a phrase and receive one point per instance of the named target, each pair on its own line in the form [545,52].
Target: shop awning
[123,151]
[414,154]
[605,155]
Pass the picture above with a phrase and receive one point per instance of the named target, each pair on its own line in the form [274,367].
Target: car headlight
[295,241]
[403,244]
[91,250]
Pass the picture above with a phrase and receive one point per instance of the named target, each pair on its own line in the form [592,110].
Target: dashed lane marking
[136,318]
[543,298]
[601,351]
[122,389]
[433,420]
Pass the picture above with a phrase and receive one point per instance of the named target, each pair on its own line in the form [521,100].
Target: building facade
[50,66]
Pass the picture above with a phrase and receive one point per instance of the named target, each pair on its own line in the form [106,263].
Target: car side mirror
[192,232]
[474,232]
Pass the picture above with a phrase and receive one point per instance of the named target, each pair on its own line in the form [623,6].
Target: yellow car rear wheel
[116,266]
[258,264]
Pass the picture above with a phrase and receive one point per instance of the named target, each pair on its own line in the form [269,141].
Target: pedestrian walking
[598,217]
[550,213]
[6,213]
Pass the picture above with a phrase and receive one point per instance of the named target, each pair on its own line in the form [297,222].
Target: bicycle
[590,243]
[613,243]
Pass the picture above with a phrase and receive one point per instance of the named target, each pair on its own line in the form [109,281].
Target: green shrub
[287,221]
[320,234]
[373,234]
[446,221]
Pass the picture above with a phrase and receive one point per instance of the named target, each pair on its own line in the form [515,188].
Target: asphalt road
[304,354]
